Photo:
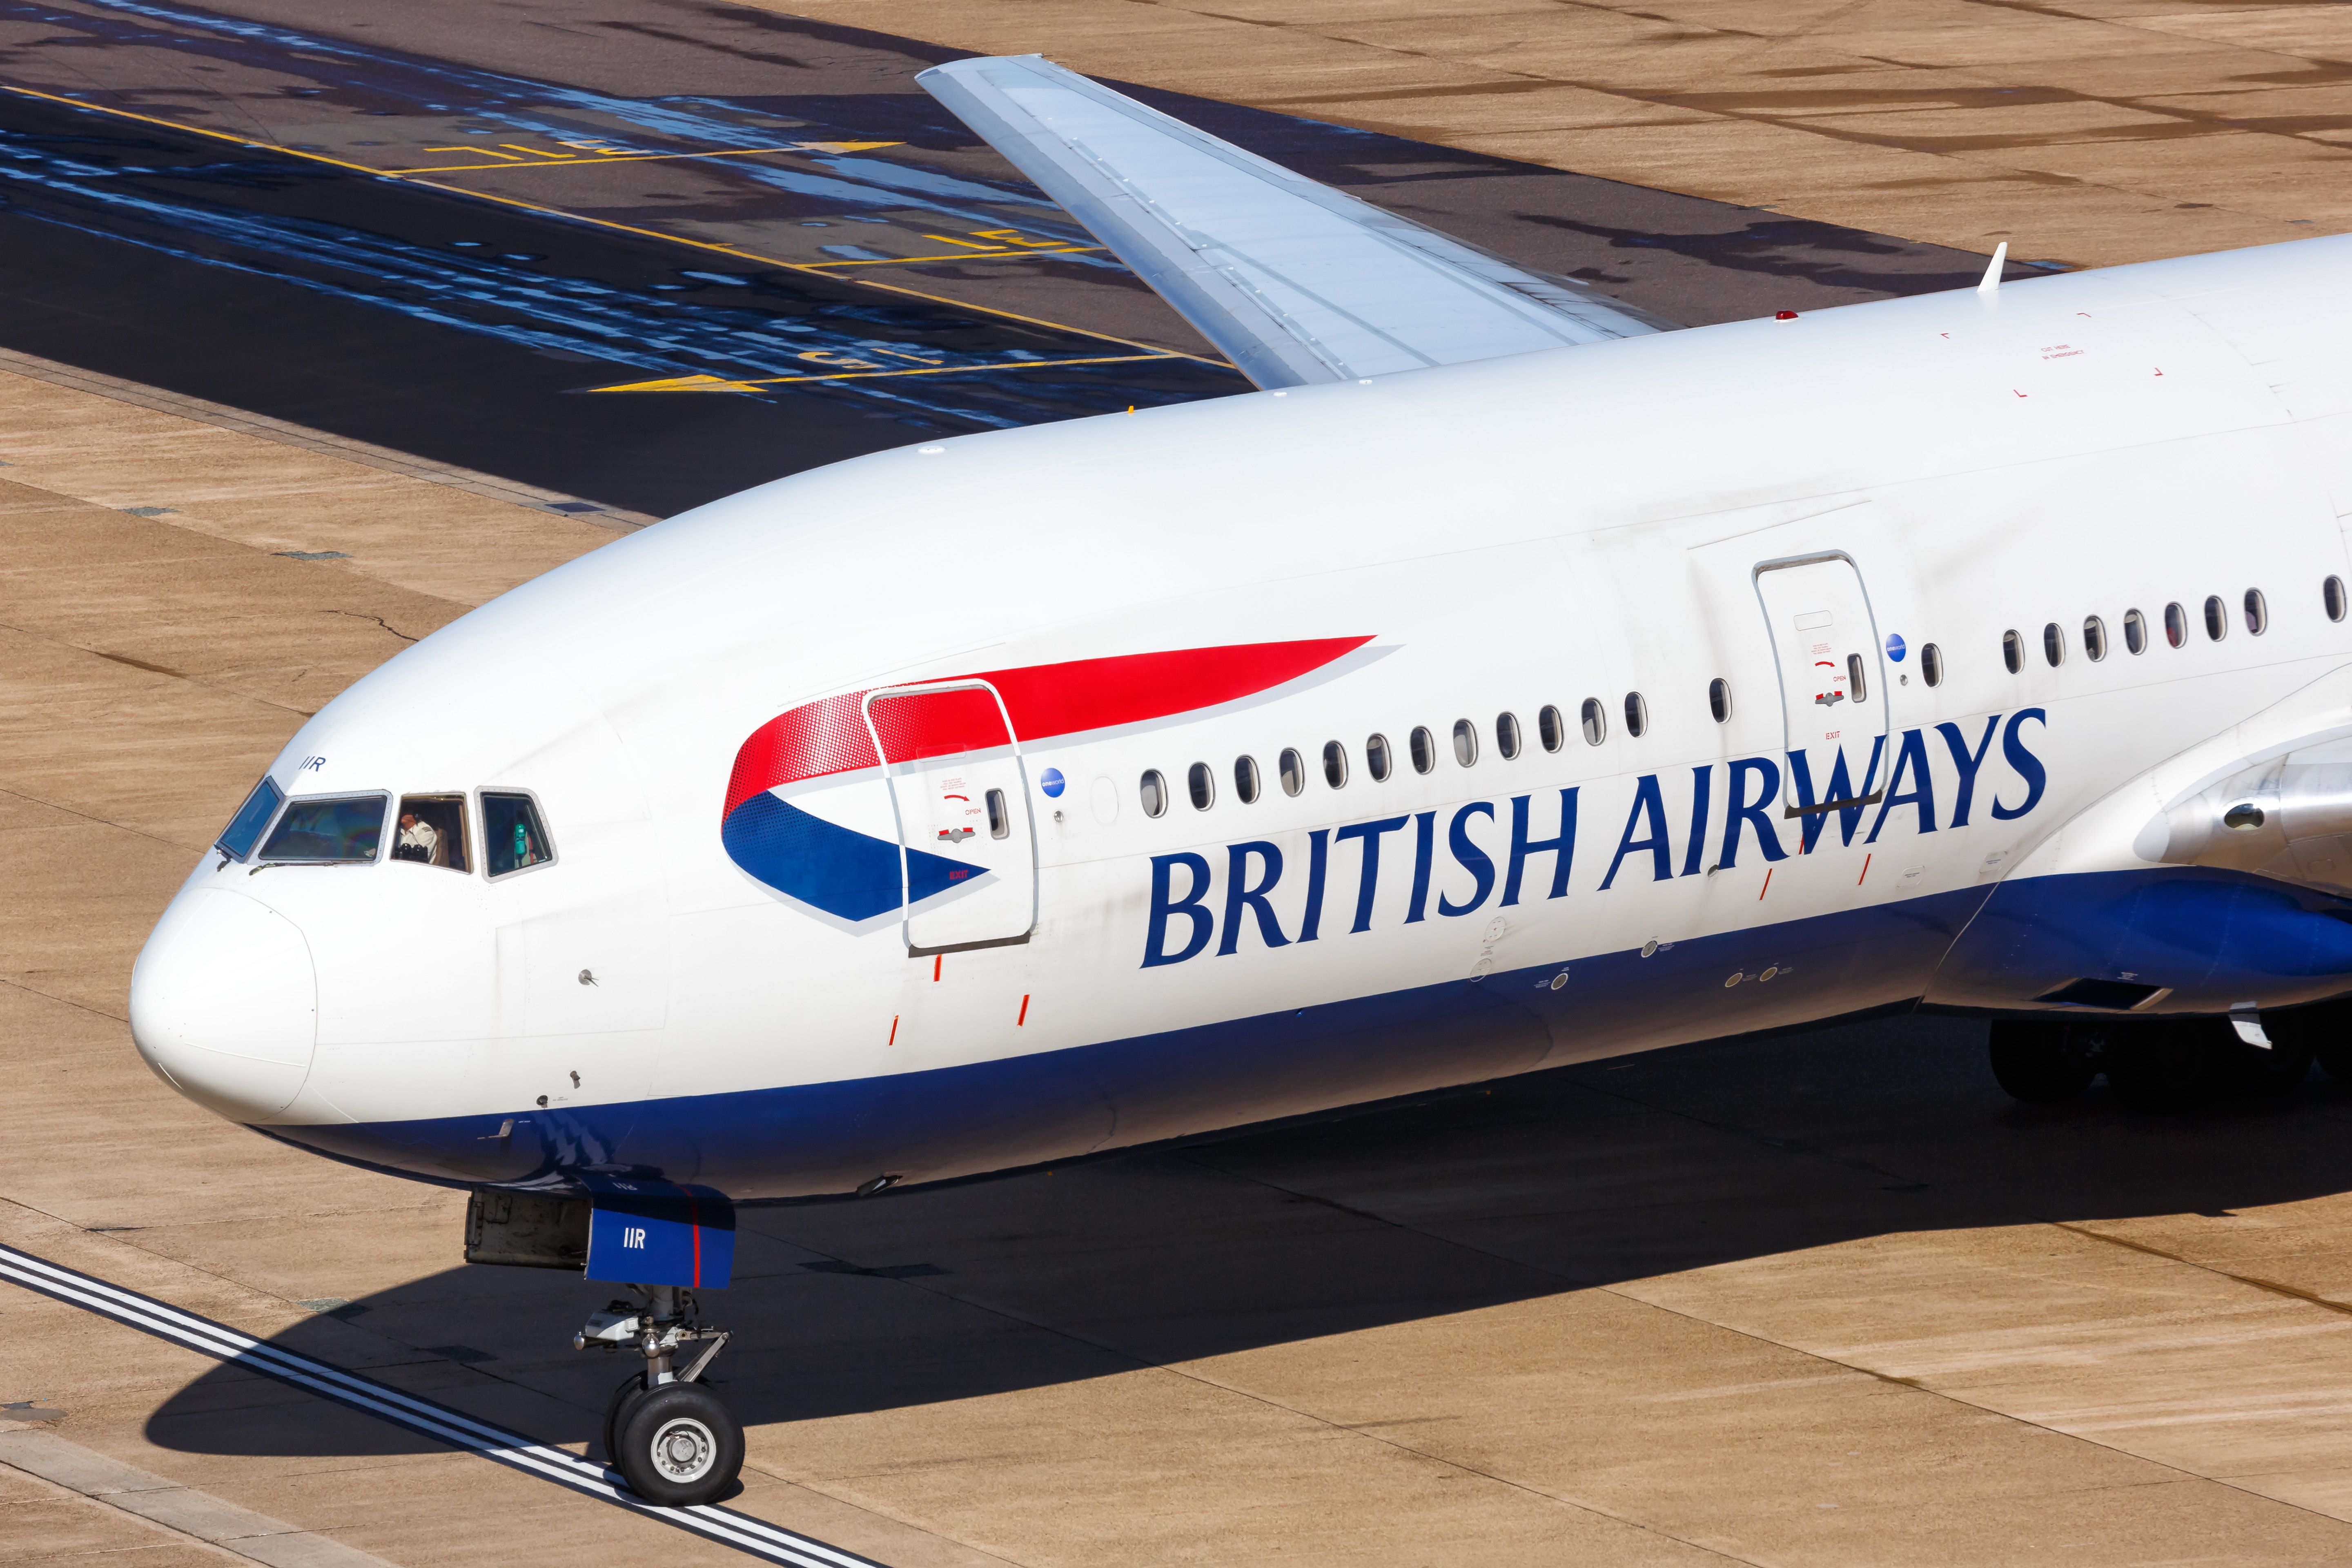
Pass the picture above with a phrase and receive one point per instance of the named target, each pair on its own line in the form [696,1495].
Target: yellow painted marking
[975,256]
[1012,237]
[604,156]
[492,152]
[519,147]
[711,247]
[685,384]
[721,384]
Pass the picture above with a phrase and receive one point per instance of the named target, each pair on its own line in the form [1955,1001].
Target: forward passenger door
[1826,648]
[961,791]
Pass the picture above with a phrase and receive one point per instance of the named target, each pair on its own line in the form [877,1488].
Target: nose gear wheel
[674,1441]
[680,1446]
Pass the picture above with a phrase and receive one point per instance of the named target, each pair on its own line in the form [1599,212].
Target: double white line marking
[422,1416]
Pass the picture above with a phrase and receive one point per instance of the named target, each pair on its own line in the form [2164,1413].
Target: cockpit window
[238,838]
[513,838]
[321,832]
[431,831]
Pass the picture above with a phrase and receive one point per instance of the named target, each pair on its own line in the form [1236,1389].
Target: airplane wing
[1293,281]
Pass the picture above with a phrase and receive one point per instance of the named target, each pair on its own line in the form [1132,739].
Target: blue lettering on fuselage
[1470,874]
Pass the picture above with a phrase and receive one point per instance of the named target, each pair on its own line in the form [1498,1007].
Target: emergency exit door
[1825,644]
[966,852]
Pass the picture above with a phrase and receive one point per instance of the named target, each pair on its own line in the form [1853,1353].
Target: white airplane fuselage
[707,983]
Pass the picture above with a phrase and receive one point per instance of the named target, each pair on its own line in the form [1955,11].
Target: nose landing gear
[673,1440]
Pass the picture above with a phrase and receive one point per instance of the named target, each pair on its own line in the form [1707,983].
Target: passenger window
[431,831]
[513,838]
[1000,820]
[1466,741]
[2053,644]
[1637,713]
[2012,651]
[1507,735]
[1335,764]
[2176,625]
[2094,638]
[1719,698]
[1154,791]
[324,832]
[2258,613]
[2135,632]
[1549,729]
[2331,594]
[1931,665]
[1596,722]
[1246,779]
[1424,749]
[1292,769]
[2217,618]
[1376,757]
[237,840]
[1203,784]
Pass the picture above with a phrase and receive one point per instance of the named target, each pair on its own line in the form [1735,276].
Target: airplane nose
[225,1004]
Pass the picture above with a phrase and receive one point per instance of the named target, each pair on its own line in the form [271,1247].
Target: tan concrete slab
[1759,105]
[1702,1317]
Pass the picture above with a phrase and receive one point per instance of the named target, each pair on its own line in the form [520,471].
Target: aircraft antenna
[1992,273]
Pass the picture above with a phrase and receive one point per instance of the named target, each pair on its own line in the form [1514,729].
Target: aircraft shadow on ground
[1577,1177]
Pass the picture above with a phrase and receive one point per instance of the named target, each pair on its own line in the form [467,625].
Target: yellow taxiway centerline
[565,160]
[702,245]
[723,384]
[959,255]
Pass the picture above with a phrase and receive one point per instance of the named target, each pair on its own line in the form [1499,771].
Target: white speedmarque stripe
[421,1416]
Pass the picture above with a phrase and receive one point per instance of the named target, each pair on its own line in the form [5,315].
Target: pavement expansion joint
[176,1510]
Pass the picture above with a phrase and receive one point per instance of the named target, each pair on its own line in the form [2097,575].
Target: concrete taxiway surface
[2096,131]
[456,230]
[1825,1299]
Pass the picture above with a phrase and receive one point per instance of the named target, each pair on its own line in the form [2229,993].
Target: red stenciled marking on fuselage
[829,736]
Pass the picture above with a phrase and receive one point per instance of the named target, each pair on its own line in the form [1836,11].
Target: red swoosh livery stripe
[829,736]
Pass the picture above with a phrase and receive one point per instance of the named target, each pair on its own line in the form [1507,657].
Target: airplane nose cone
[225,1004]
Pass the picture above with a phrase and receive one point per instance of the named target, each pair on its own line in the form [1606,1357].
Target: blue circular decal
[1895,648]
[1050,781]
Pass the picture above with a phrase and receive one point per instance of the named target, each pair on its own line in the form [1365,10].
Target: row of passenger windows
[350,829]
[1421,749]
[2252,607]
[1200,781]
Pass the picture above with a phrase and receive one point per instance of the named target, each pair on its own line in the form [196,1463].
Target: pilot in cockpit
[418,841]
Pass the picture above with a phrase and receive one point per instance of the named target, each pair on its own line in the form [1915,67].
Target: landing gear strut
[674,1441]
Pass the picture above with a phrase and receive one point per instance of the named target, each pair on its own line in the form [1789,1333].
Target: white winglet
[1992,273]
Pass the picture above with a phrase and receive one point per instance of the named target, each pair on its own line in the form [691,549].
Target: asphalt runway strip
[755,1537]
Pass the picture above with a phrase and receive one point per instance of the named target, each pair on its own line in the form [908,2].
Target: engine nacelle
[2212,882]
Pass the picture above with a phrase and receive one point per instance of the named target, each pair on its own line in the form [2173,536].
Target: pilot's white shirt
[420,837]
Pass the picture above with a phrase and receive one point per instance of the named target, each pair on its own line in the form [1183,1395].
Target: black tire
[2181,1063]
[632,1389]
[679,1445]
[2040,1063]
[2322,1031]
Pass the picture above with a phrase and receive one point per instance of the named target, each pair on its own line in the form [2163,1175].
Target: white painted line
[424,1417]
